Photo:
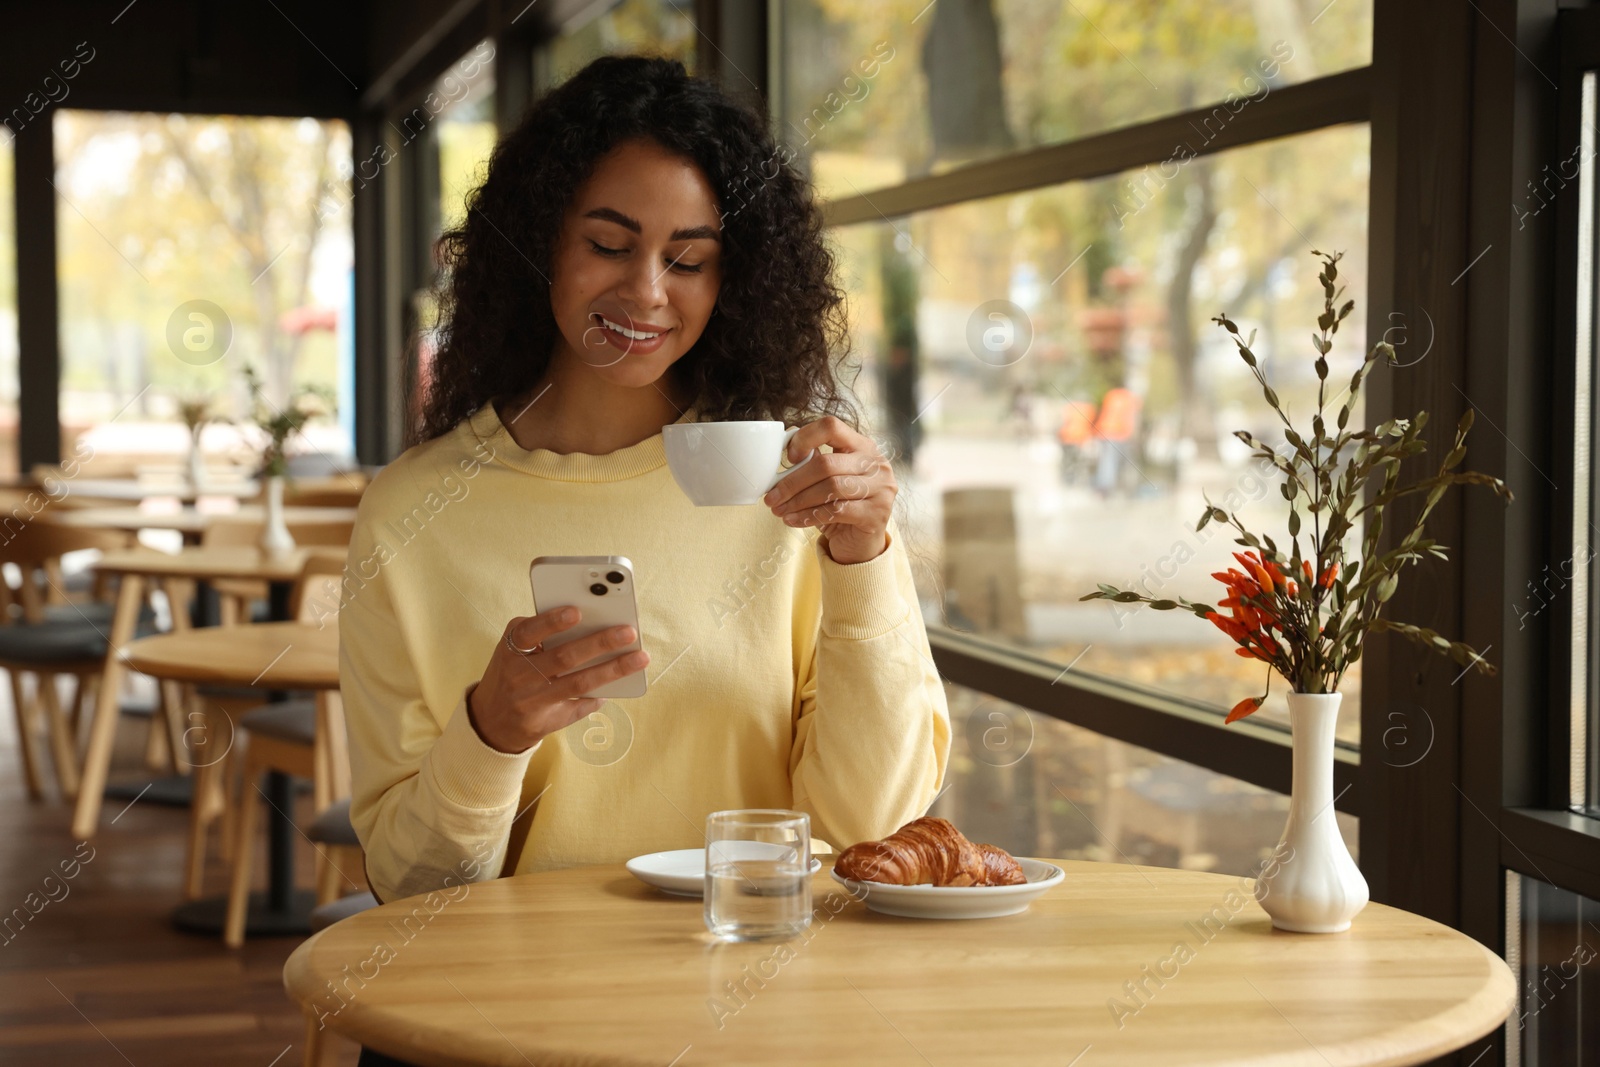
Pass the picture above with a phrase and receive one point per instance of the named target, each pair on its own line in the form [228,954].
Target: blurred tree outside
[238,166]
[1063,75]
[156,211]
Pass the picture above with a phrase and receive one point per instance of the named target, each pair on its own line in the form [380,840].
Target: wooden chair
[56,636]
[216,711]
[237,595]
[333,832]
[302,738]
[332,493]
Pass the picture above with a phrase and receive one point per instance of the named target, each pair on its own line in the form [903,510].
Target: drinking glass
[758,874]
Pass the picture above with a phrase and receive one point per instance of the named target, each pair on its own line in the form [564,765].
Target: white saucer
[957,902]
[682,872]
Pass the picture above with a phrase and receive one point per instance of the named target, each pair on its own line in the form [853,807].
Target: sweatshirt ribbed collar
[630,462]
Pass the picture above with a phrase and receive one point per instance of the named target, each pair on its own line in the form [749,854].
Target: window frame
[1542,837]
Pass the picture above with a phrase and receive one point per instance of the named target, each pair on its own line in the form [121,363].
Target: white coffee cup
[720,463]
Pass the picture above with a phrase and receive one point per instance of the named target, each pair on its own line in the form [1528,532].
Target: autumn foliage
[1304,610]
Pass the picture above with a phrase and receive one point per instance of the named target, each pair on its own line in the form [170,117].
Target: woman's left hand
[848,493]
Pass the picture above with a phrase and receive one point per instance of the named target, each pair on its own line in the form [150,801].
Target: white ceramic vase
[275,537]
[197,460]
[1312,886]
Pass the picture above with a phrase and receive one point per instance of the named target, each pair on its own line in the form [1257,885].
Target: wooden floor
[99,975]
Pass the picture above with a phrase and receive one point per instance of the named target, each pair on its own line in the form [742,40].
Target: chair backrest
[334,534]
[36,546]
[34,541]
[324,496]
[319,589]
[230,532]
[340,490]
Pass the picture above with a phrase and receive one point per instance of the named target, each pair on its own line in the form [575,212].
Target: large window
[1031,334]
[657,27]
[189,247]
[455,133]
[8,314]
[465,131]
[1032,319]
[1572,580]
[1553,945]
[874,94]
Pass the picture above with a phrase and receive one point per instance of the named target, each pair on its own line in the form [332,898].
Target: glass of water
[758,874]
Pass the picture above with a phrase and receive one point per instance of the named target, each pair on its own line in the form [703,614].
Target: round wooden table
[267,656]
[147,489]
[1118,965]
[138,567]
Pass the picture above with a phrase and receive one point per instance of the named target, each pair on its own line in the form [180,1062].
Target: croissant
[928,851]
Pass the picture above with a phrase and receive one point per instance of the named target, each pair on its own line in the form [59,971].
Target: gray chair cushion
[80,581]
[98,612]
[62,641]
[333,826]
[290,720]
[343,908]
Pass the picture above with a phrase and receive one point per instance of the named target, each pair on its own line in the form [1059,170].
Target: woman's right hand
[521,700]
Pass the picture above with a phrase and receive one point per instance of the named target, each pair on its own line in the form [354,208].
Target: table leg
[280,843]
[175,697]
[103,730]
[279,595]
[281,830]
[206,608]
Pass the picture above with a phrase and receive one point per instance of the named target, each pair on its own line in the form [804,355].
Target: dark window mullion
[1294,109]
[1560,848]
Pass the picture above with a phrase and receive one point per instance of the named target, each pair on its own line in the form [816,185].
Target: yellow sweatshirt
[777,677]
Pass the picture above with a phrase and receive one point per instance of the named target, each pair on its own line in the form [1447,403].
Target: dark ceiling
[288,57]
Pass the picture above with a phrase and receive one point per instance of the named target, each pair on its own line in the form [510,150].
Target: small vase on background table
[1313,886]
[197,460]
[275,537]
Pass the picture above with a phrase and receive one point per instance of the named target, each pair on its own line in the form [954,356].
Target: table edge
[1469,1015]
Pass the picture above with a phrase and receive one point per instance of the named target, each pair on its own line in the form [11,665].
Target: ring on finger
[512,645]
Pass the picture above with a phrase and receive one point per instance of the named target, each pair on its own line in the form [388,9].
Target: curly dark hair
[770,349]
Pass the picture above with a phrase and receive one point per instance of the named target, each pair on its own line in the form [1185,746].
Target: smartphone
[601,588]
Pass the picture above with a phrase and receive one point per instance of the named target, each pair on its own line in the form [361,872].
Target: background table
[269,656]
[588,965]
[265,655]
[192,523]
[136,567]
[145,489]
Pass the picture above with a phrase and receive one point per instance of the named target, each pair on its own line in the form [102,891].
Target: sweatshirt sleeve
[431,805]
[872,734]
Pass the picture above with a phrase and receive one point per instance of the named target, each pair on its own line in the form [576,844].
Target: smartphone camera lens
[598,589]
[614,577]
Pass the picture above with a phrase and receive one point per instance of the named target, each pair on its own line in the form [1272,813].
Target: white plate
[682,872]
[957,902]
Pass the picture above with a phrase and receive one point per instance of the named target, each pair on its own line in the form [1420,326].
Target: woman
[638,255]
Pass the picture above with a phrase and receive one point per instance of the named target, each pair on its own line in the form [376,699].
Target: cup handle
[784,472]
